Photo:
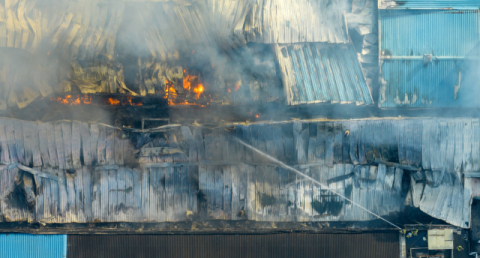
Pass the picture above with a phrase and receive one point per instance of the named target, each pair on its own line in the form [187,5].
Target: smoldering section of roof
[237,184]
[84,30]
[448,77]
[232,24]
[316,73]
[294,21]
[80,30]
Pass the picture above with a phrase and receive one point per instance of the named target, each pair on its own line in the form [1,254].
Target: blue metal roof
[322,72]
[430,4]
[451,37]
[33,246]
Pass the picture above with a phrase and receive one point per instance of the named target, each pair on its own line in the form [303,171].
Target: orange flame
[190,83]
[87,100]
[170,92]
[69,100]
[113,101]
[187,81]
[198,90]
[229,91]
[130,102]
[256,116]
[237,86]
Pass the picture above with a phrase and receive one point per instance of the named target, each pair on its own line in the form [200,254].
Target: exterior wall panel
[33,246]
[371,245]
[450,79]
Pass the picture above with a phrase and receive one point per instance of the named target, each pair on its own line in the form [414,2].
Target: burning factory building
[248,116]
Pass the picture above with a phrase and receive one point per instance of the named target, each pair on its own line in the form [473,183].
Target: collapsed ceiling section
[188,52]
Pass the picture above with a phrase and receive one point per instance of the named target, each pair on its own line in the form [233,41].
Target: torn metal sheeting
[404,167]
[234,182]
[38,173]
[148,152]
[409,144]
[450,201]
[237,192]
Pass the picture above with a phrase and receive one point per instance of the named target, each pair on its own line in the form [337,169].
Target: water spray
[285,166]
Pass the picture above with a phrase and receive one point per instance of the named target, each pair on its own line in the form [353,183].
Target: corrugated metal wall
[451,37]
[33,246]
[437,32]
[430,4]
[370,245]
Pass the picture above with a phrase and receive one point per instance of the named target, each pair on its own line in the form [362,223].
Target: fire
[170,92]
[87,100]
[187,81]
[129,100]
[69,100]
[256,115]
[113,101]
[237,85]
[229,91]
[198,90]
[190,84]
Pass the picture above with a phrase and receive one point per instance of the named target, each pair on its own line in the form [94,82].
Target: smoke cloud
[228,42]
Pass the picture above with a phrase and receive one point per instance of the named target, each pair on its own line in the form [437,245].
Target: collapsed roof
[87,37]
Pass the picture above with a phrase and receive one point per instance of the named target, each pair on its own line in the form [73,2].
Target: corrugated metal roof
[428,4]
[316,72]
[231,24]
[33,246]
[294,21]
[366,245]
[450,37]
